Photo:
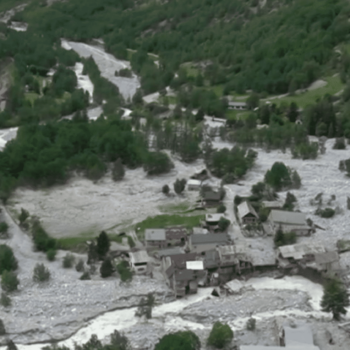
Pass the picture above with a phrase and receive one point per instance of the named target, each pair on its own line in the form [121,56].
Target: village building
[309,255]
[211,198]
[181,279]
[202,243]
[155,238]
[298,337]
[193,185]
[288,221]
[176,235]
[328,263]
[139,262]
[168,237]
[247,214]
[237,105]
[170,251]
[272,204]
[199,231]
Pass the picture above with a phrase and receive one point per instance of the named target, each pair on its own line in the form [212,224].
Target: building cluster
[206,256]
[296,337]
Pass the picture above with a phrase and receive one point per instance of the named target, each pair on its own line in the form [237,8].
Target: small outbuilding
[139,261]
[193,185]
[237,105]
[247,214]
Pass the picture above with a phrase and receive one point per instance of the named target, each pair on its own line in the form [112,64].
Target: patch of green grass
[162,221]
[333,86]
[72,243]
[237,115]
[31,96]
[116,238]
[218,90]
[192,71]
[78,243]
[175,208]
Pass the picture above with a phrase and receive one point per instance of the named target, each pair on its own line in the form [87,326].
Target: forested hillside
[203,50]
[282,46]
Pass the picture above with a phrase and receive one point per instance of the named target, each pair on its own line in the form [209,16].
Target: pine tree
[92,253]
[103,245]
[179,185]
[106,269]
[11,345]
[118,171]
[335,299]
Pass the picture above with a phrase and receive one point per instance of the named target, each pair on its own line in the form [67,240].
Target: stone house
[288,221]
[247,214]
[202,243]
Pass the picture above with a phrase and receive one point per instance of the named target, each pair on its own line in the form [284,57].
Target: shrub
[42,241]
[5,300]
[119,341]
[9,281]
[2,328]
[11,345]
[7,259]
[23,216]
[118,171]
[237,200]
[251,323]
[68,261]
[289,202]
[80,265]
[335,299]
[179,185]
[282,239]
[51,254]
[3,229]
[185,340]
[166,189]
[131,242]
[124,271]
[325,213]
[145,307]
[106,269]
[223,224]
[103,245]
[278,177]
[339,143]
[220,335]
[235,162]
[85,276]
[41,273]
[157,163]
[221,209]
[305,150]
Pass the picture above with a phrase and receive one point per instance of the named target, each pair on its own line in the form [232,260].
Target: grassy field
[234,114]
[161,221]
[333,86]
[175,208]
[78,243]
